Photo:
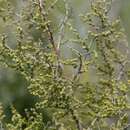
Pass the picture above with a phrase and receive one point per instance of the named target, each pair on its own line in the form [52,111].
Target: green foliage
[33,121]
[74,102]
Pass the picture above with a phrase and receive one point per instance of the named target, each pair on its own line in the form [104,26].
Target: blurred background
[13,86]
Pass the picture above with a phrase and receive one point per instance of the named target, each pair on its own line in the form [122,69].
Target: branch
[126,127]
[79,70]
[123,64]
[78,124]
[1,126]
[61,33]
[41,5]
[121,73]
[52,6]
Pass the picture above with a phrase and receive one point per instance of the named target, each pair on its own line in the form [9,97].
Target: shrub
[94,95]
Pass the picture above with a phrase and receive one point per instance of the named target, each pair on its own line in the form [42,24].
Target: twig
[47,26]
[1,126]
[126,127]
[61,33]
[78,124]
[121,73]
[52,6]
[123,64]
[79,70]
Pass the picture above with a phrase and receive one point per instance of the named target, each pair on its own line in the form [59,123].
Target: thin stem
[79,70]
[61,33]
[47,26]
[77,122]
[123,64]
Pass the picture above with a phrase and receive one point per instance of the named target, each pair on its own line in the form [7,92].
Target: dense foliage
[94,94]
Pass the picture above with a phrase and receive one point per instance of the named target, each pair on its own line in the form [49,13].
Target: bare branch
[61,33]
